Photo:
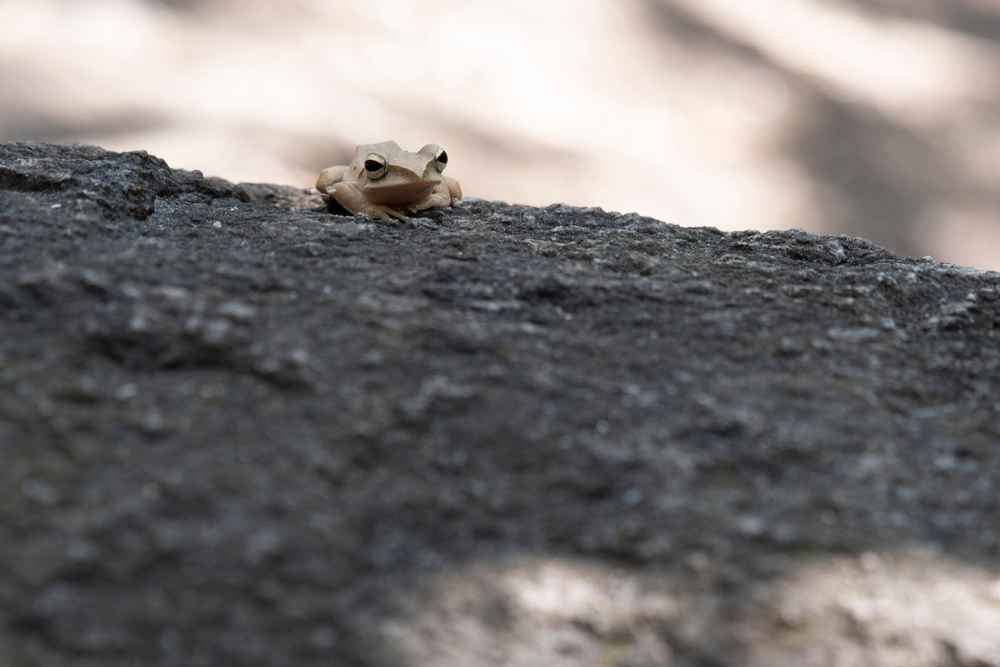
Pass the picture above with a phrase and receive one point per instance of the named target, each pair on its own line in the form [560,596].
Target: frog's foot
[432,201]
[446,192]
[353,199]
[387,213]
[329,177]
[454,189]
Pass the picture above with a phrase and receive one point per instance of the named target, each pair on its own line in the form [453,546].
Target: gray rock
[237,429]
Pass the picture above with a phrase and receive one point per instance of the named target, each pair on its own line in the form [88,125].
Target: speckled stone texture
[238,430]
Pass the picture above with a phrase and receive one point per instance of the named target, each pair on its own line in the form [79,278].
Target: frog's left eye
[441,160]
[435,151]
[375,166]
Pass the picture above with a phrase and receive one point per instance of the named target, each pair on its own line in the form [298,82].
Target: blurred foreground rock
[238,430]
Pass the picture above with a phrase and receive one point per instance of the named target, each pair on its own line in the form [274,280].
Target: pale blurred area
[876,118]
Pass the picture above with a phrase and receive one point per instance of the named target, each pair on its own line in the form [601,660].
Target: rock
[238,429]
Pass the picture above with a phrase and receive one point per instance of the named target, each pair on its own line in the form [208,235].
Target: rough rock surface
[238,430]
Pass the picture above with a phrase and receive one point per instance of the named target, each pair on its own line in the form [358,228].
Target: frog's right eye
[375,166]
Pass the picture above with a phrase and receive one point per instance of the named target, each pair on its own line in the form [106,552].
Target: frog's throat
[398,194]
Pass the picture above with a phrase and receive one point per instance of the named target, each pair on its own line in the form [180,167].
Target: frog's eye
[375,166]
[436,152]
[441,160]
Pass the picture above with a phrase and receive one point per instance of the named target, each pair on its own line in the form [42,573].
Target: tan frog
[383,181]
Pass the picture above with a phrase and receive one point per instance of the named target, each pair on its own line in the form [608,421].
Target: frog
[385,182]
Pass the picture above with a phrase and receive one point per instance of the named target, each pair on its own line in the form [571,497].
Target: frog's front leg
[350,196]
[444,193]
[329,177]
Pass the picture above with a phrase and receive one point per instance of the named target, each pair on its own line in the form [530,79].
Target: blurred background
[875,118]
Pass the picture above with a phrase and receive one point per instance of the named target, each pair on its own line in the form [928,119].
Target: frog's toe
[399,215]
[386,213]
[382,217]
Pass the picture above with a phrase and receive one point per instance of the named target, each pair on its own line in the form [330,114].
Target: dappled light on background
[536,611]
[908,608]
[875,119]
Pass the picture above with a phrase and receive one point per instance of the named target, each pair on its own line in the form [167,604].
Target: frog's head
[389,175]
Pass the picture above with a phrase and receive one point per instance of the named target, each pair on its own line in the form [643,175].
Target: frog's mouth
[398,194]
